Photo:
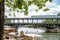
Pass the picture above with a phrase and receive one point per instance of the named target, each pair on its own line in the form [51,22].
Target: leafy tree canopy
[23,4]
[0,0]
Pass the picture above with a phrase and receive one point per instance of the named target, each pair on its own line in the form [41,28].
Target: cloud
[54,9]
[32,8]
[50,4]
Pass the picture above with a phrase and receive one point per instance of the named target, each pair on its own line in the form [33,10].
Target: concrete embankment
[55,30]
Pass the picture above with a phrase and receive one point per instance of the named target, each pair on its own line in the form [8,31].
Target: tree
[1,18]
[34,26]
[7,21]
[50,21]
[23,4]
[58,15]
[47,21]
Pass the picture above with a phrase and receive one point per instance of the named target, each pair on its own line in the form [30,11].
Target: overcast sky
[53,6]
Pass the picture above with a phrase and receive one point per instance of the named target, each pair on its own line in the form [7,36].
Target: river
[48,36]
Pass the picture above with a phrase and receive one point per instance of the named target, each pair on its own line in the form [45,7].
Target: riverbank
[55,30]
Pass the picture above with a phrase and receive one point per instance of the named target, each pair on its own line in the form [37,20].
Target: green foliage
[50,21]
[58,21]
[54,21]
[9,14]
[50,0]
[25,12]
[58,14]
[47,21]
[30,2]
[7,21]
[0,0]
[21,4]
[14,15]
[36,10]
[45,9]
[34,26]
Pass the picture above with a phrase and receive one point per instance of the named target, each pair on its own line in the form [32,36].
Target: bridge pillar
[13,21]
[37,20]
[18,21]
[22,20]
[27,20]
[32,20]
[52,20]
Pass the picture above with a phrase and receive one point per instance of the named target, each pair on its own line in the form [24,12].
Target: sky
[54,7]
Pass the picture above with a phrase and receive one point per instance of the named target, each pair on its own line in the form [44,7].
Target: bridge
[35,20]
[27,21]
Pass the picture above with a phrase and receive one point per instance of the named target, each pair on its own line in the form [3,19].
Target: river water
[49,36]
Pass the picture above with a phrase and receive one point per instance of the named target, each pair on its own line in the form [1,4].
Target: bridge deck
[26,23]
[33,24]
